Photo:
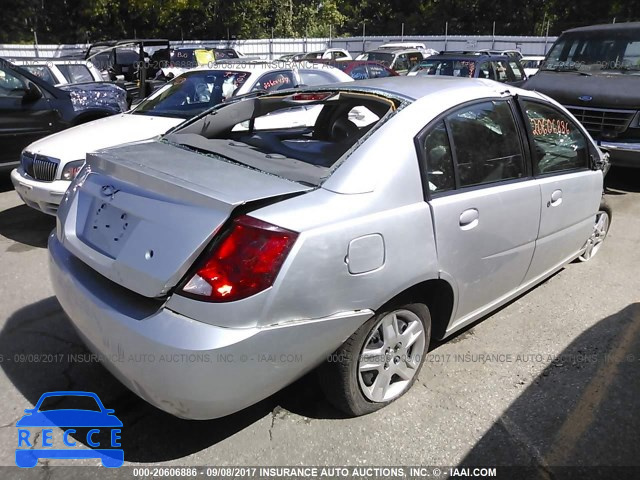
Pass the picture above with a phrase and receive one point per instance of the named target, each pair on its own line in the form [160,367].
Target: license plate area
[107,228]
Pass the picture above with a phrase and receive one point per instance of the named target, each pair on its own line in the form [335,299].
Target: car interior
[276,129]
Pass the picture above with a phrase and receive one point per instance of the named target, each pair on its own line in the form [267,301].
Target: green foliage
[70,21]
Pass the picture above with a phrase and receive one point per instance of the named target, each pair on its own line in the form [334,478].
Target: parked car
[185,57]
[358,69]
[411,45]
[531,64]
[257,254]
[510,53]
[401,60]
[595,72]
[56,71]
[502,68]
[328,54]
[182,98]
[136,64]
[31,108]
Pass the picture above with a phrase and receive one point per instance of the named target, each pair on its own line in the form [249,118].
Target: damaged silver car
[215,265]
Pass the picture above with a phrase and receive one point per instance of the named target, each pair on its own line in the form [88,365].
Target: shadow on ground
[26,226]
[581,411]
[43,353]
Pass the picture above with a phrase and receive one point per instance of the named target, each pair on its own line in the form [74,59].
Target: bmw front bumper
[188,368]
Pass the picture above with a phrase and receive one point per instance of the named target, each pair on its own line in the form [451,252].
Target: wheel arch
[437,294]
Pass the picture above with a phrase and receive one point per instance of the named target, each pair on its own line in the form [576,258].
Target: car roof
[413,88]
[470,56]
[607,27]
[394,50]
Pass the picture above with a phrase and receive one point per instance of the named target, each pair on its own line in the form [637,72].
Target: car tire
[600,229]
[372,368]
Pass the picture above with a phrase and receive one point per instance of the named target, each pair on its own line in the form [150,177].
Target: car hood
[96,95]
[605,90]
[69,418]
[74,143]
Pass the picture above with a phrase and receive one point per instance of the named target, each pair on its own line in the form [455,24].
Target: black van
[595,72]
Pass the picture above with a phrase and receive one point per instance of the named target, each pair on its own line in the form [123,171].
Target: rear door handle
[556,199]
[469,219]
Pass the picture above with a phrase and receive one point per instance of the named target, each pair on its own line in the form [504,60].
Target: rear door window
[76,73]
[42,72]
[515,70]
[486,143]
[502,71]
[558,143]
[10,84]
[359,72]
[378,71]
[485,71]
[437,151]
[401,63]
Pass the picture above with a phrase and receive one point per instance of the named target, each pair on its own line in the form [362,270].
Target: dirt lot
[550,379]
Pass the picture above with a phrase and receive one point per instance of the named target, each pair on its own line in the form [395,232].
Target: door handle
[556,199]
[469,219]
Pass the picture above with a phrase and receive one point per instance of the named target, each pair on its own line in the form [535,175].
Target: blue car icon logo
[99,421]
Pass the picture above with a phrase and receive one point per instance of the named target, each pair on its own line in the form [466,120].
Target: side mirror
[32,93]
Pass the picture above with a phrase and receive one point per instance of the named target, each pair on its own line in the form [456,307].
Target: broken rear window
[299,136]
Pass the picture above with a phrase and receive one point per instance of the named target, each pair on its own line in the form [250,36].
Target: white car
[328,54]
[531,64]
[48,165]
[57,71]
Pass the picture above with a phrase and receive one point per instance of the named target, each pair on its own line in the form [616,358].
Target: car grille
[597,120]
[39,167]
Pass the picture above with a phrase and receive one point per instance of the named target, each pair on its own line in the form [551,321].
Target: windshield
[385,58]
[296,136]
[595,51]
[450,68]
[192,93]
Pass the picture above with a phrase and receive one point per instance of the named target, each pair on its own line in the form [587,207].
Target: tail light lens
[246,261]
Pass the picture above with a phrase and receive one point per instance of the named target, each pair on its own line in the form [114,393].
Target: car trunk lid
[142,213]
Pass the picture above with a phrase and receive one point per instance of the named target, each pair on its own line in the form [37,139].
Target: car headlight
[71,169]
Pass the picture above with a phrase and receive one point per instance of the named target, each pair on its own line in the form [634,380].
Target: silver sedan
[262,239]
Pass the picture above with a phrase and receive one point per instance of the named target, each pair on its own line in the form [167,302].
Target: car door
[25,116]
[484,202]
[571,191]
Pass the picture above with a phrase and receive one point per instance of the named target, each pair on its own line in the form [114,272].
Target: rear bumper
[43,196]
[185,367]
[623,154]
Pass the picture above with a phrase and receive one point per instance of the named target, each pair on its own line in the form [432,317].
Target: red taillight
[245,262]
